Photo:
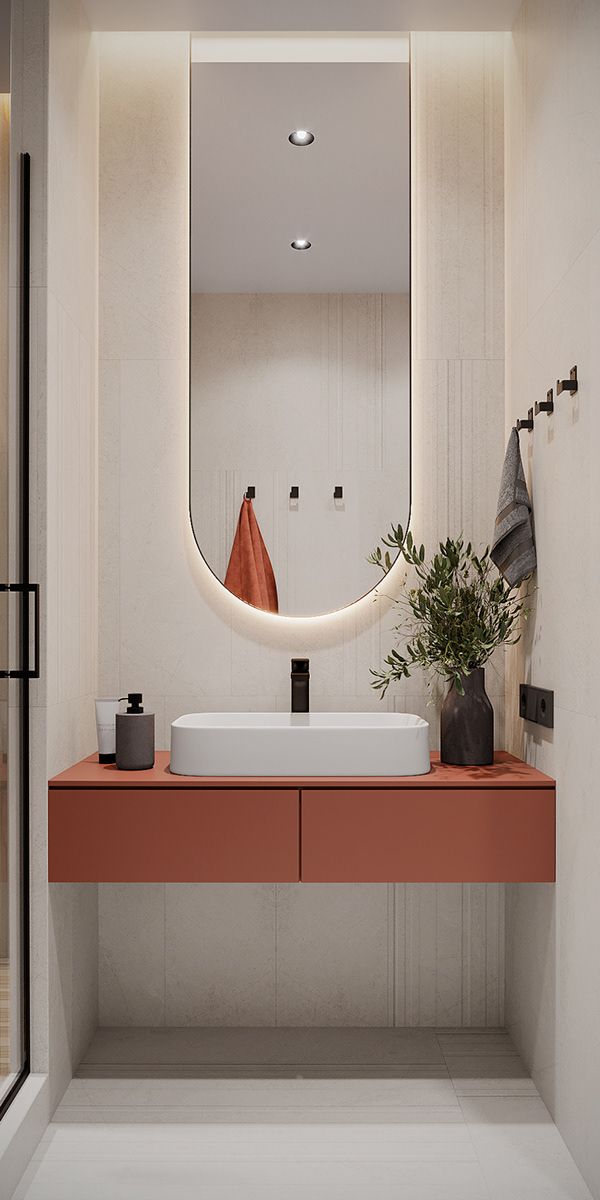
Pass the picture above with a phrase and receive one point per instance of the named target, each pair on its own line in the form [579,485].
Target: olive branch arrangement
[457,614]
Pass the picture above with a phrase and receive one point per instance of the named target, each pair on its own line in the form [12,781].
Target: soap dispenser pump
[135,736]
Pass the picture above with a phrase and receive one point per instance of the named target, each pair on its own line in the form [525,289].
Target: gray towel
[513,549]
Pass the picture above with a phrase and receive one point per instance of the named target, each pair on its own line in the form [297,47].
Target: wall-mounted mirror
[299,325]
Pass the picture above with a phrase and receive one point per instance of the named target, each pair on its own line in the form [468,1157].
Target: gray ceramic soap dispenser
[135,736]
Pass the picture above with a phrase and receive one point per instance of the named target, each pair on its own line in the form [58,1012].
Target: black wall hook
[294,492]
[567,385]
[528,424]
[338,492]
[546,405]
[250,493]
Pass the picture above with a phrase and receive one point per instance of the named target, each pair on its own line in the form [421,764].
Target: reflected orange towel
[250,574]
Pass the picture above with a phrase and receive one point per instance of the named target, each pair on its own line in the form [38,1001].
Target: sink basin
[232,744]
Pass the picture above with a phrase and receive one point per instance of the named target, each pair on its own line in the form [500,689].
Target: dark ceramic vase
[467,724]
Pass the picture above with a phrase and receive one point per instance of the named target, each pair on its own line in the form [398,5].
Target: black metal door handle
[26,591]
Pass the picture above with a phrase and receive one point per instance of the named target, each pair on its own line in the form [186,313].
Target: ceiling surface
[309,14]
[253,192]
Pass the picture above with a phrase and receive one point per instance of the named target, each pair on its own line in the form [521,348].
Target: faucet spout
[300,676]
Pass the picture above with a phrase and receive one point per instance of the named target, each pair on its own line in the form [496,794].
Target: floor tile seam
[482,1053]
[292,1062]
[283,1066]
[379,1109]
[306,1131]
[491,1053]
[461,1030]
[503,1095]
[434,1152]
[477,1154]
[299,1161]
[451,1062]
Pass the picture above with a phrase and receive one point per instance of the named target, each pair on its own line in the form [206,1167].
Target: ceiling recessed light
[301,137]
[300,244]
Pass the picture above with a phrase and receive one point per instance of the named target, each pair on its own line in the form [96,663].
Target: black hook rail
[547,406]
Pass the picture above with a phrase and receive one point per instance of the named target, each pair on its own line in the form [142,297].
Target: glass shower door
[7,1034]
[15,671]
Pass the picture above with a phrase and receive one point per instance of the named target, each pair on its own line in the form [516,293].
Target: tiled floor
[335,1113]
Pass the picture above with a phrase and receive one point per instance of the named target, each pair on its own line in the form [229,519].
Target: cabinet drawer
[135,835]
[428,835]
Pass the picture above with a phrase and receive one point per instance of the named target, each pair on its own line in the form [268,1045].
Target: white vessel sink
[300,744]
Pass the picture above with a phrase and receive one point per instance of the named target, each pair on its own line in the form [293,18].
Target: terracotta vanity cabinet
[454,825]
[360,835]
[179,835]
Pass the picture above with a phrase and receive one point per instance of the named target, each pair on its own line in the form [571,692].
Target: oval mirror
[299,325]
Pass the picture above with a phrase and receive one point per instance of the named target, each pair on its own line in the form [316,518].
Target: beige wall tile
[332,954]
[131,920]
[220,954]
[553,272]
[144,115]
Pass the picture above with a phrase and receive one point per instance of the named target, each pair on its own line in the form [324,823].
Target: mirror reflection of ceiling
[254,193]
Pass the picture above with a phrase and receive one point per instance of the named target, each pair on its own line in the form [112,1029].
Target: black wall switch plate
[536,704]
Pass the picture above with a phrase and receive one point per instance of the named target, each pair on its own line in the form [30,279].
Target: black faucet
[300,677]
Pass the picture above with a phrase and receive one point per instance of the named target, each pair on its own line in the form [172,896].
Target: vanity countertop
[506,772]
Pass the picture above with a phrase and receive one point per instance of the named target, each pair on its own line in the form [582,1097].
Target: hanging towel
[250,574]
[513,549]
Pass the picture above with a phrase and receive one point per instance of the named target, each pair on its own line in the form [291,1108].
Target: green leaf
[456,614]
